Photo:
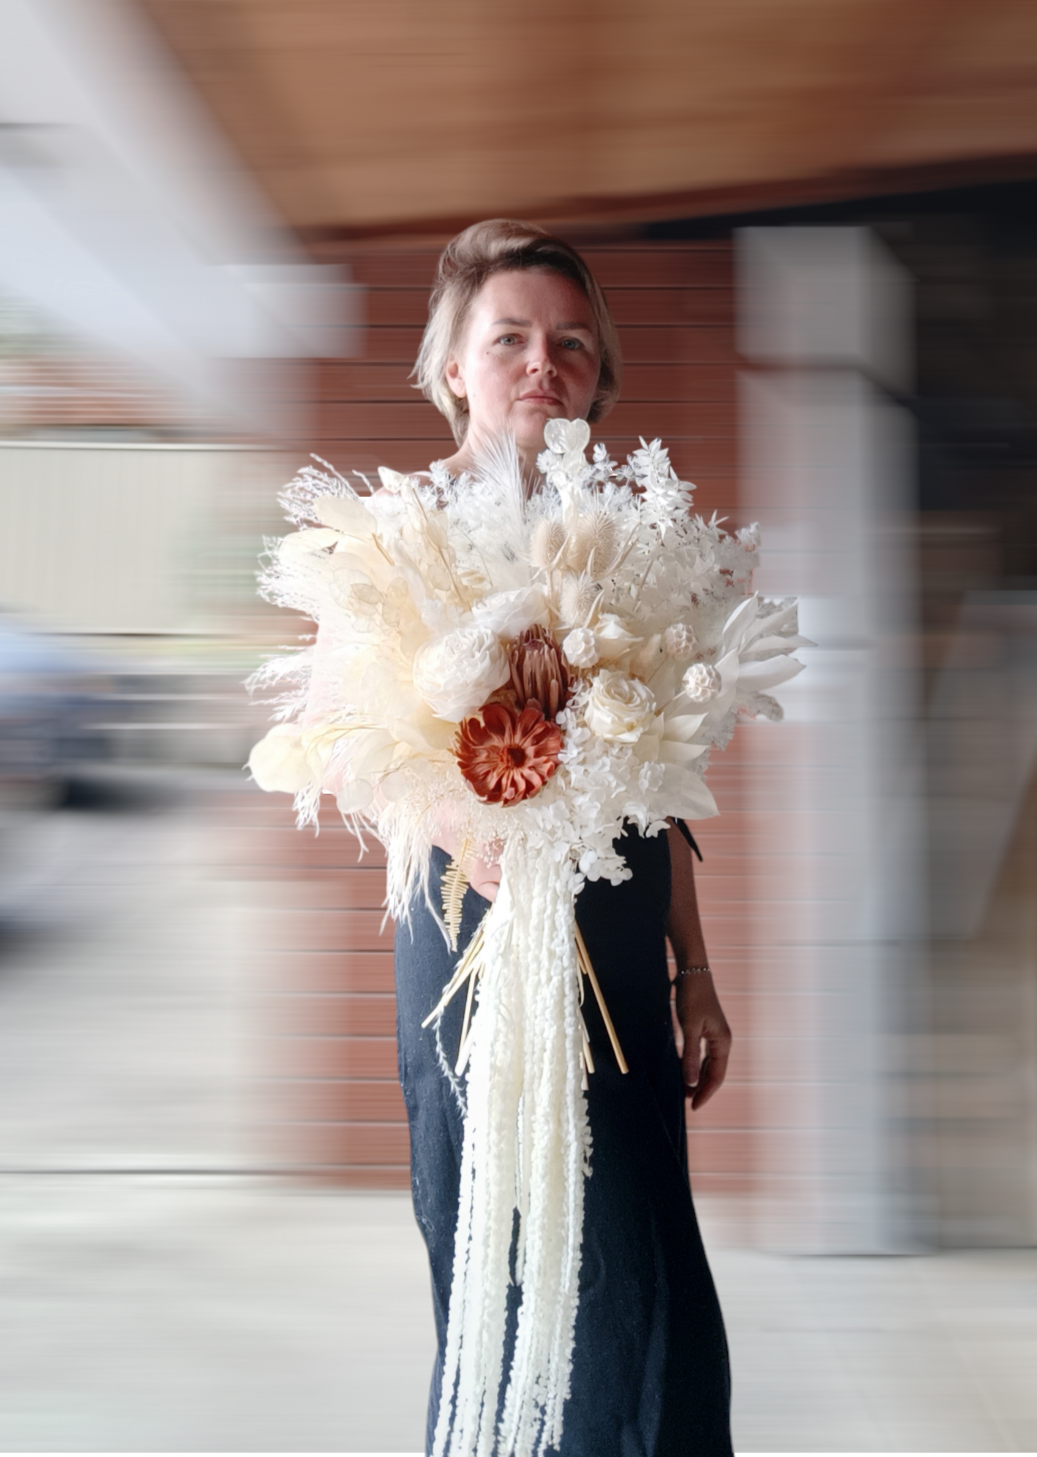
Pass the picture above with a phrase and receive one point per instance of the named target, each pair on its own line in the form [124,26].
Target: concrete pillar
[835,790]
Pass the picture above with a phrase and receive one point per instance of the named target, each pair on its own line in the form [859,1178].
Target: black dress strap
[689,837]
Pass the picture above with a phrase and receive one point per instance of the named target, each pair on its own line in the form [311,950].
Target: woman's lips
[537,398]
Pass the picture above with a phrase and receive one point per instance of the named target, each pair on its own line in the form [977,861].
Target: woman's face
[529,354]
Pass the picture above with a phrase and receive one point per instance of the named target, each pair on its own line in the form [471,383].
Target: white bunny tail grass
[526,1148]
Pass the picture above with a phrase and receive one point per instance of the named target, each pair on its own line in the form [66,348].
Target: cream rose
[456,674]
[618,707]
[612,637]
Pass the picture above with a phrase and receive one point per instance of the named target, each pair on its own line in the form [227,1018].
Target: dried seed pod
[548,540]
[702,683]
[576,599]
[605,545]
[679,640]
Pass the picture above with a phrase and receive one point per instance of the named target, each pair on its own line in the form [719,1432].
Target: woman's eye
[508,339]
[572,343]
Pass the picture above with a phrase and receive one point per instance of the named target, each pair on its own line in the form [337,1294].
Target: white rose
[508,614]
[702,683]
[618,707]
[457,673]
[580,648]
[611,636]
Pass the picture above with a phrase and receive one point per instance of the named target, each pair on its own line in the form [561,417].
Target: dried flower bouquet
[533,673]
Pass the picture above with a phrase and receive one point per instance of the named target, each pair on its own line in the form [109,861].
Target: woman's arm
[699,1011]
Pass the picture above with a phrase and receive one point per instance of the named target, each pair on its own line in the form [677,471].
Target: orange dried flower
[508,754]
[538,671]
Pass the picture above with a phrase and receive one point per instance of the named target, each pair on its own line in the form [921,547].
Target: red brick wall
[336,1107]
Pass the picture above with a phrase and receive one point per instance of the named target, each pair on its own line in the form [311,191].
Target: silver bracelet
[691,971]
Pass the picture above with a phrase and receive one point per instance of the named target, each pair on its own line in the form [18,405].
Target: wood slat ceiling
[387,115]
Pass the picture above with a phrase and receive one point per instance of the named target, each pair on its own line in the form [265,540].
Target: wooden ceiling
[364,117]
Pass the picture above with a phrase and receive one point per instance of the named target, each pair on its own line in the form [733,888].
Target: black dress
[650,1371]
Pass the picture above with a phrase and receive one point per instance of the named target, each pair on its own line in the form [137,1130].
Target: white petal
[685,795]
[741,619]
[682,726]
[278,762]
[307,543]
[344,514]
[673,752]
[759,676]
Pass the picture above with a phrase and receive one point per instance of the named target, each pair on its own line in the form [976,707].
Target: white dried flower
[619,708]
[457,673]
[679,640]
[702,683]
[580,648]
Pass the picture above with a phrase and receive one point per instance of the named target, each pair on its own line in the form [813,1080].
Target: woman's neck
[466,458]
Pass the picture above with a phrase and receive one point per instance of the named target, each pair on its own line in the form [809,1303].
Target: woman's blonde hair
[502,245]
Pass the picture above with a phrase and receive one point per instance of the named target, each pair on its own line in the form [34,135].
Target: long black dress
[650,1367]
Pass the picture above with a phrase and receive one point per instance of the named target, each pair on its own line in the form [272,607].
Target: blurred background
[219,221]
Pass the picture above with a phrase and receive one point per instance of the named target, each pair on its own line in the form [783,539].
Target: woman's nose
[538,359]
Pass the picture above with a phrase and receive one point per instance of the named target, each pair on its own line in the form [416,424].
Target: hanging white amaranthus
[528,675]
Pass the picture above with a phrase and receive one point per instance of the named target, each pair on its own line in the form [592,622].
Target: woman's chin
[529,419]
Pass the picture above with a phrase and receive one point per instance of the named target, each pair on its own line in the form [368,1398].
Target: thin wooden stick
[463,971]
[588,1056]
[589,973]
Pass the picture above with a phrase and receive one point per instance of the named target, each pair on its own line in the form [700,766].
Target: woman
[519,334]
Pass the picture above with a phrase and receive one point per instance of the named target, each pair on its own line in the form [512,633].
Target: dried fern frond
[455,883]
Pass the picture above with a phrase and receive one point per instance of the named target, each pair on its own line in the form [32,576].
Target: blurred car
[51,697]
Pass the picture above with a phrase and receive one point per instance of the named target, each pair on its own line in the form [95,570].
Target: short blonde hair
[502,245]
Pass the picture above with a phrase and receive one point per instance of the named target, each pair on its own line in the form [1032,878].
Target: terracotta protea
[508,754]
[538,671]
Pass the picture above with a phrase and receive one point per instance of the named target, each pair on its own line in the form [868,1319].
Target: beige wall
[125,538]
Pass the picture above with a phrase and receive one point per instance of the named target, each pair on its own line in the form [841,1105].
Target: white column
[835,808]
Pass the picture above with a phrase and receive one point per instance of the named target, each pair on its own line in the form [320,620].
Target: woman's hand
[484,878]
[483,875]
[707,1037]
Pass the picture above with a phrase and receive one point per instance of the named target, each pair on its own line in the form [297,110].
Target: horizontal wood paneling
[338,1014]
[673,420]
[652,265]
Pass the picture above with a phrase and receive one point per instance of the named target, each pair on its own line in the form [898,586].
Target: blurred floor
[183,1314]
[157,1293]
